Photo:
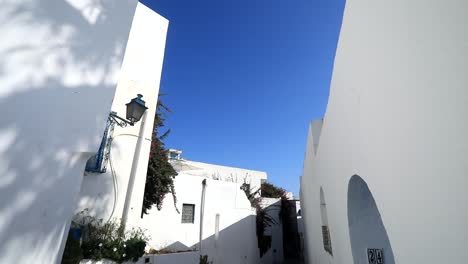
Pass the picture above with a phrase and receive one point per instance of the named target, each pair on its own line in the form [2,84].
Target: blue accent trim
[98,162]
[76,233]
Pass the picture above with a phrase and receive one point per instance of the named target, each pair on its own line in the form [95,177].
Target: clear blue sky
[245,77]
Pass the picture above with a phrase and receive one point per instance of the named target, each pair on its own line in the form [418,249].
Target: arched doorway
[369,239]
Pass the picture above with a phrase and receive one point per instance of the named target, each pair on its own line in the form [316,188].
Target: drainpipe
[131,180]
[202,210]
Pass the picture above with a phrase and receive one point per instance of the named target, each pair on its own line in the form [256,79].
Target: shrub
[204,260]
[271,191]
[108,240]
[135,248]
[263,219]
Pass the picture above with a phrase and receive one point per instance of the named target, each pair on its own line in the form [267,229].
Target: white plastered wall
[236,242]
[397,118]
[274,254]
[104,194]
[58,73]
[222,173]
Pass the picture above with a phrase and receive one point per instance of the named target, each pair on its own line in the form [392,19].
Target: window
[188,213]
[326,239]
[327,245]
[174,154]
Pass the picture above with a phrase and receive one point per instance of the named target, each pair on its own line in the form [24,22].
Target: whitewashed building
[223,221]
[385,171]
[117,192]
[64,66]
[274,254]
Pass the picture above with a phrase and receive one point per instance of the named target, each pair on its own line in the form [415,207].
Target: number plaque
[375,256]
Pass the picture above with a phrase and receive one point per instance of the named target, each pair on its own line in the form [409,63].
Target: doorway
[369,240]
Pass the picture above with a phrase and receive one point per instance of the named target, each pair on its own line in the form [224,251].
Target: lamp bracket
[121,122]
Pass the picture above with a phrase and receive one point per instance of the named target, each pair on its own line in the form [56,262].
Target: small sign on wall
[375,256]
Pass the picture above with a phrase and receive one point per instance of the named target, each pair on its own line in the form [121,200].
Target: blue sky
[245,77]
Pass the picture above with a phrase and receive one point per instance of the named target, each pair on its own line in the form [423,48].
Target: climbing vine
[160,176]
[262,220]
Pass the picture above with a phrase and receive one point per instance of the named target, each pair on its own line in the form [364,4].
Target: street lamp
[135,110]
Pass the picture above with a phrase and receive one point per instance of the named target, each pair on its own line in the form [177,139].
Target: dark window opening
[188,213]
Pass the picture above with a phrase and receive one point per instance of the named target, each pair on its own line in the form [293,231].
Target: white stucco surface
[192,257]
[274,255]
[236,242]
[178,258]
[237,238]
[104,194]
[396,117]
[58,72]
[219,172]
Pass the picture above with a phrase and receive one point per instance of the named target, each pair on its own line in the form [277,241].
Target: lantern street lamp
[135,110]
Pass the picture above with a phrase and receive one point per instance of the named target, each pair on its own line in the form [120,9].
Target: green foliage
[107,240]
[262,220]
[160,176]
[264,243]
[204,260]
[271,191]
[135,248]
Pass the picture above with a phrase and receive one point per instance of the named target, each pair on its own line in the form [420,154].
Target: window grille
[326,239]
[188,213]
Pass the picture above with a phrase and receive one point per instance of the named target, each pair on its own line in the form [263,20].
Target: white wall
[300,230]
[218,172]
[397,118]
[58,70]
[176,258]
[275,254]
[237,241]
[179,258]
[104,194]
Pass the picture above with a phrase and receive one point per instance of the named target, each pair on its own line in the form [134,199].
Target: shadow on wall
[291,240]
[275,250]
[57,84]
[235,244]
[366,228]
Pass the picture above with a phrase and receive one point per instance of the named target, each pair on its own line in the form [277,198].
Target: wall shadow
[57,88]
[275,252]
[291,241]
[236,244]
[366,229]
